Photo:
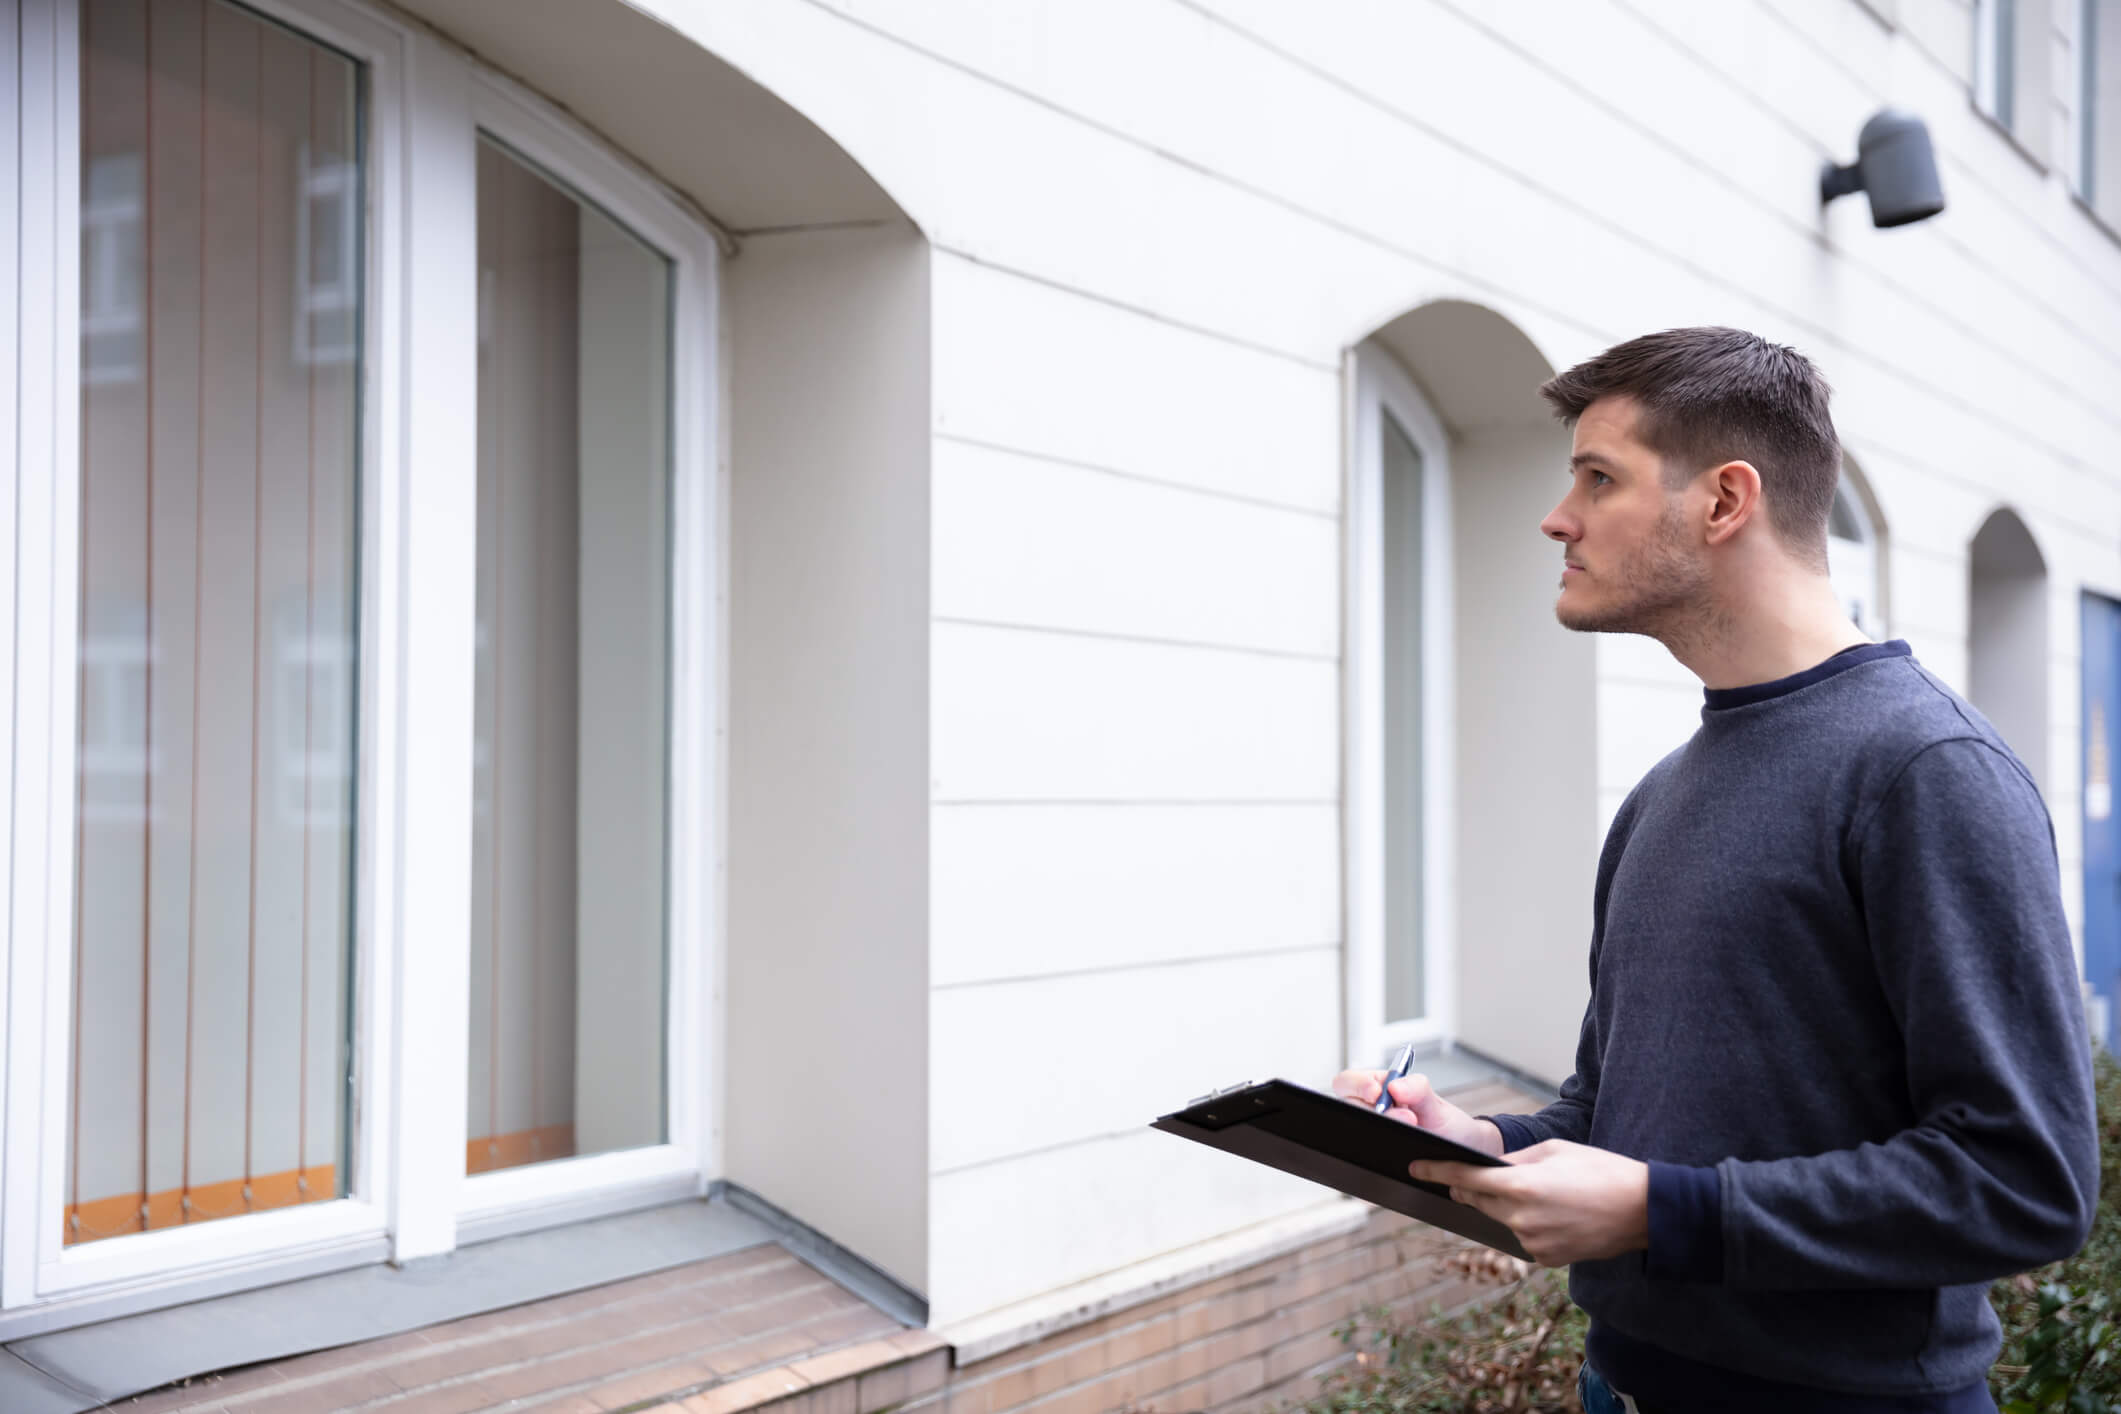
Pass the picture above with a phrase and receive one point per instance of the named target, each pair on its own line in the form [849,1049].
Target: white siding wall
[1158,224]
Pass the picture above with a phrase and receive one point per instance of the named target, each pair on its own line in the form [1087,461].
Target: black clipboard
[1351,1147]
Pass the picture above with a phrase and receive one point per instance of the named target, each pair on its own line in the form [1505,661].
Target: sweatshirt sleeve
[1998,1172]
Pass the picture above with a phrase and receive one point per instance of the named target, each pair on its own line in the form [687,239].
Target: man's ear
[1734,499]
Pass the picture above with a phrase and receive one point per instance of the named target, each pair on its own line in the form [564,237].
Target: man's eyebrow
[1591,459]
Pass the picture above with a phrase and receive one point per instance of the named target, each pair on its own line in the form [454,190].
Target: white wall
[1136,750]
[826,997]
[1143,288]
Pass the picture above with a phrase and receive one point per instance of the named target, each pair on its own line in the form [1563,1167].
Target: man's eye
[1599,478]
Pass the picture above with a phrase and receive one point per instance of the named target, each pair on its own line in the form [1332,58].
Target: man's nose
[1560,525]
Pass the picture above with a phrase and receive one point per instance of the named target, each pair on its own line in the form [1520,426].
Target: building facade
[853,598]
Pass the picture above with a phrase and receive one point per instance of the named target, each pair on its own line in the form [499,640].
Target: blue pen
[1397,1072]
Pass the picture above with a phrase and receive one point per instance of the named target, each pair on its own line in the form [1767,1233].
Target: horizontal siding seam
[1142,965]
[1150,803]
[1221,336]
[1265,503]
[1244,650]
[1992,495]
[1824,333]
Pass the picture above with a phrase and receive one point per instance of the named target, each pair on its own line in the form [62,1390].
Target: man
[1834,1077]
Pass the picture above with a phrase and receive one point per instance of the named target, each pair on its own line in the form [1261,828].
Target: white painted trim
[1987,17]
[1860,557]
[1050,1313]
[90,1307]
[580,1203]
[381,44]
[48,153]
[504,1192]
[11,458]
[439,486]
[208,1247]
[1381,386]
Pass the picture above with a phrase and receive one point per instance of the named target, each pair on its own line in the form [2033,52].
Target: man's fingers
[1495,1205]
[1475,1178]
[1539,1153]
[1361,1086]
[1411,1091]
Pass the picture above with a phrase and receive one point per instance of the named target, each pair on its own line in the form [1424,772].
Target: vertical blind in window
[220,370]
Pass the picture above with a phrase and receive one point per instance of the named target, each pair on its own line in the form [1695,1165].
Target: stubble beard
[1662,592]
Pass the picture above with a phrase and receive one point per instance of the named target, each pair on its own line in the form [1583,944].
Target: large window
[2098,103]
[1400,775]
[363,694]
[1855,556]
[2013,62]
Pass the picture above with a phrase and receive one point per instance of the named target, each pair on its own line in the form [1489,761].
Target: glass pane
[571,754]
[1842,521]
[1403,844]
[219,505]
[2005,18]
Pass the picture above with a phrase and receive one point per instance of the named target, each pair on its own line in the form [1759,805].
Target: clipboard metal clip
[1217,1094]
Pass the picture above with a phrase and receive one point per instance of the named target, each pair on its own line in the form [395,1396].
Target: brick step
[855,1379]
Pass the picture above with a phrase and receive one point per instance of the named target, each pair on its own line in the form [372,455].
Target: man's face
[1629,564]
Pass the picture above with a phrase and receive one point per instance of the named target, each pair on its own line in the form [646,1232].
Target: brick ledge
[865,1378]
[1005,1328]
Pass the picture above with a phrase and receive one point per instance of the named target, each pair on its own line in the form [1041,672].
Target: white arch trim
[1381,387]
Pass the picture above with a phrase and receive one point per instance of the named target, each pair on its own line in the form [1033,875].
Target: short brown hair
[1712,395]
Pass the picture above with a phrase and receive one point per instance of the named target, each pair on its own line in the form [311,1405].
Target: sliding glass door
[357,585]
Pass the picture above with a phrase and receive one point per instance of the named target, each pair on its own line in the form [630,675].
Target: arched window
[2006,631]
[1854,555]
[1400,568]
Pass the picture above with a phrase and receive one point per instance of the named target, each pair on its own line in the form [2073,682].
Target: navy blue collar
[1722,699]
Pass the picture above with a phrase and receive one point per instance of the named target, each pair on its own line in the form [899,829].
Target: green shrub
[2062,1324]
[1518,1352]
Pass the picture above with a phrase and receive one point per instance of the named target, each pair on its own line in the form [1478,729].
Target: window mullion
[45,548]
[17,1268]
[438,497]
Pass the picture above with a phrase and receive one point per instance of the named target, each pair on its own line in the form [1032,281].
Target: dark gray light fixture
[1895,165]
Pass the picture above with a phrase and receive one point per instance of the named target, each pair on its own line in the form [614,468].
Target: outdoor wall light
[1896,165]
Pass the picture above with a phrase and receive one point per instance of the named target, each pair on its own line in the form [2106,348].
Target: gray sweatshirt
[1831,984]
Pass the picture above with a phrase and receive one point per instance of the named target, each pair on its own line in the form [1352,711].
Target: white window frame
[2084,174]
[1860,556]
[1990,19]
[509,1199]
[425,103]
[1379,385]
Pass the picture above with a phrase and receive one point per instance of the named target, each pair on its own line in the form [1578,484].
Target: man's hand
[1566,1202]
[1415,1102]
